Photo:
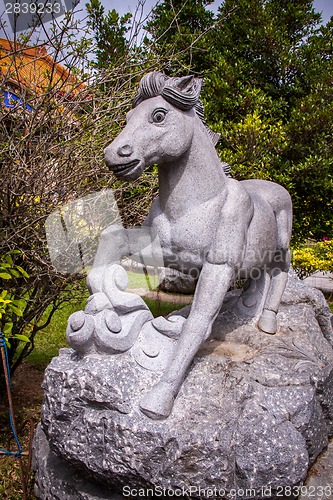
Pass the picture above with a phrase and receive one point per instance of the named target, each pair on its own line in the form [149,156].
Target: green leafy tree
[309,155]
[264,39]
[109,32]
[270,95]
[179,32]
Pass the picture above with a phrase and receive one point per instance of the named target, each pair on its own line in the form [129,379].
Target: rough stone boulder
[174,281]
[254,411]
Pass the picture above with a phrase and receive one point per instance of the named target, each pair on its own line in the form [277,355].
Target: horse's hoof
[267,322]
[170,327]
[157,404]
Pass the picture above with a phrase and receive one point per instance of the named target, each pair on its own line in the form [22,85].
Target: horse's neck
[192,179]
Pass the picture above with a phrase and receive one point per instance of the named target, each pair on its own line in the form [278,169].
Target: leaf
[22,271]
[15,273]
[9,260]
[21,303]
[5,301]
[23,338]
[7,329]
[5,276]
[15,310]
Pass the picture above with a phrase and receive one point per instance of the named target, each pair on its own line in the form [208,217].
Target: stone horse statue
[209,225]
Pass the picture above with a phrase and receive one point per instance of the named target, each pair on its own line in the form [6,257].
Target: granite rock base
[58,479]
[254,412]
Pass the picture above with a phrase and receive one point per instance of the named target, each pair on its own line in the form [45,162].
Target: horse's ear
[183,92]
[187,83]
[184,82]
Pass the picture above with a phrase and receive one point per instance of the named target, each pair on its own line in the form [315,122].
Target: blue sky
[325,7]
[123,6]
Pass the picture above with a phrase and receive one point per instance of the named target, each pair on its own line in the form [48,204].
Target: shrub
[11,307]
[310,259]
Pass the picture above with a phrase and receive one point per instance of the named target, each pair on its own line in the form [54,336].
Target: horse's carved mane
[181,92]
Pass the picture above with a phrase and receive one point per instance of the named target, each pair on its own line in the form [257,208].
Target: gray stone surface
[319,482]
[60,480]
[173,281]
[322,281]
[207,223]
[254,411]
[56,479]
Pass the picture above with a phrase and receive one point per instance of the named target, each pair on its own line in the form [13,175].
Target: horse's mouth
[124,169]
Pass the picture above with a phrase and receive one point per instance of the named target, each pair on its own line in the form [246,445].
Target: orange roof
[32,69]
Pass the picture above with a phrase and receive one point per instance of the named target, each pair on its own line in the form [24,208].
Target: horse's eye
[159,116]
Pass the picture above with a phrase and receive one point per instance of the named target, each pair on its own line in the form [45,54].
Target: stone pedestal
[252,416]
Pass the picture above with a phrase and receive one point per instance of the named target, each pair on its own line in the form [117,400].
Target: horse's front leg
[113,245]
[212,286]
[117,242]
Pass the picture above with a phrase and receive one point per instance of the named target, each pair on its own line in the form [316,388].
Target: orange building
[30,71]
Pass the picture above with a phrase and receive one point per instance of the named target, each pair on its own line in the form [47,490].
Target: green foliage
[317,60]
[253,145]
[109,32]
[270,96]
[11,307]
[179,34]
[265,37]
[309,259]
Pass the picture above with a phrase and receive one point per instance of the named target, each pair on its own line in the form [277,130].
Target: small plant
[11,307]
[318,257]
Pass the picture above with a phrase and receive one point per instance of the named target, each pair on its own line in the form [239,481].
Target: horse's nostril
[125,150]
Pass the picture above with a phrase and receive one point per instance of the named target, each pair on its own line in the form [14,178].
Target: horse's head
[155,132]
[160,127]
